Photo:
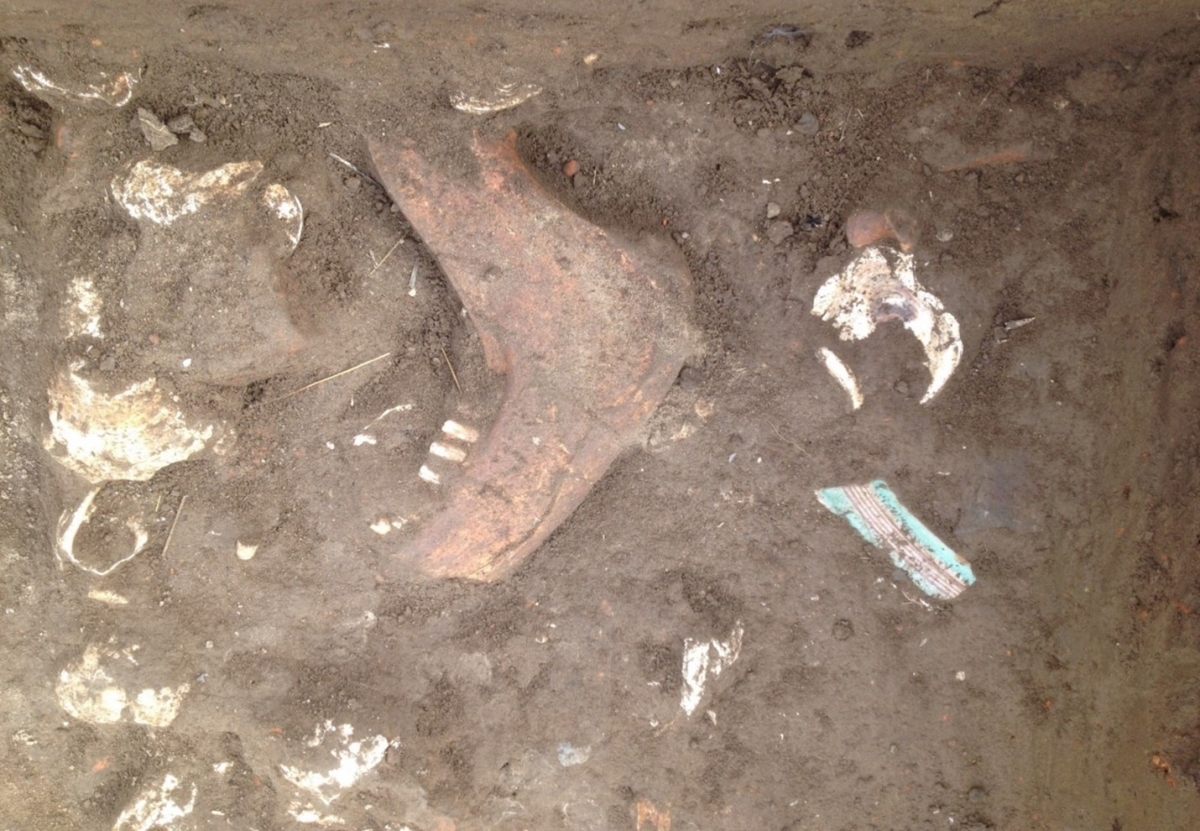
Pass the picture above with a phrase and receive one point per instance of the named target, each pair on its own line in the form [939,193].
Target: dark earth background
[1062,691]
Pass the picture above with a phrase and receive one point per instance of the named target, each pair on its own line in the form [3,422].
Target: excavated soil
[1047,155]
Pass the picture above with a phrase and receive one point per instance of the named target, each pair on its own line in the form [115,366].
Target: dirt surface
[268,659]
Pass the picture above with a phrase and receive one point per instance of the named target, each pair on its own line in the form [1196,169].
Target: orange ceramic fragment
[1016,154]
[588,329]
[650,818]
[865,228]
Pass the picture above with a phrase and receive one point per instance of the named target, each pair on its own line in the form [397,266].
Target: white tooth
[461,432]
[443,451]
[429,476]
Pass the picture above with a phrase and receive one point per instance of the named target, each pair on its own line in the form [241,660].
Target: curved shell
[132,434]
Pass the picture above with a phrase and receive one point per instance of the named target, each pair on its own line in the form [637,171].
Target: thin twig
[174,522]
[329,378]
[385,256]
[351,165]
[787,440]
[453,374]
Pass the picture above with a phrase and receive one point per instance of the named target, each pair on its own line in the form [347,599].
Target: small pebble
[808,124]
[945,235]
[181,124]
[773,210]
[154,131]
[570,756]
[779,230]
[571,168]
[197,135]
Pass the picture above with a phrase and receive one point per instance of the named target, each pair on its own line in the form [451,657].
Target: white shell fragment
[503,97]
[352,761]
[281,202]
[88,691]
[114,90]
[704,660]
[399,408]
[105,596]
[842,374]
[156,807]
[82,311]
[310,816]
[386,525]
[163,194]
[246,552]
[879,285]
[131,434]
[70,523]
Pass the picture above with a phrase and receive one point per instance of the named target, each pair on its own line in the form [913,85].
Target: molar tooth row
[448,451]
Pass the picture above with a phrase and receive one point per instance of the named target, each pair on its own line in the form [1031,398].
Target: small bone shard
[589,333]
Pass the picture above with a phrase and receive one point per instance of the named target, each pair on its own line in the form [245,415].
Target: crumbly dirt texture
[1044,157]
